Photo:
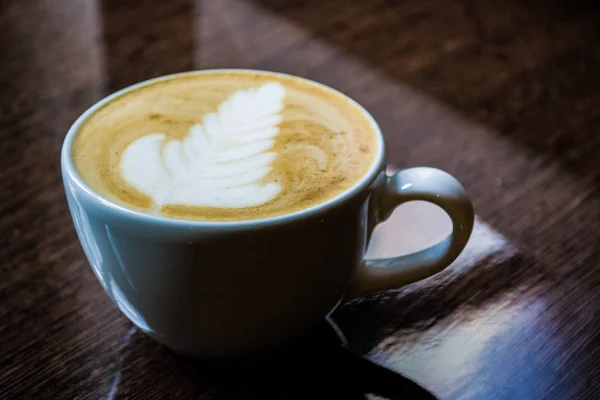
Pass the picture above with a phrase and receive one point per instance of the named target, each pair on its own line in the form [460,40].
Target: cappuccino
[224,146]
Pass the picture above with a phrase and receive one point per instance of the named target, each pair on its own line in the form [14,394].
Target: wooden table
[504,95]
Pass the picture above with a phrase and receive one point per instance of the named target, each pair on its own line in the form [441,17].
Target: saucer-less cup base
[211,289]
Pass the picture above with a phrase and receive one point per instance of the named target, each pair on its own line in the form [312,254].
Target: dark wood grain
[504,95]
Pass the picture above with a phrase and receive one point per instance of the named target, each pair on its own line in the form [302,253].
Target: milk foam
[224,146]
[222,162]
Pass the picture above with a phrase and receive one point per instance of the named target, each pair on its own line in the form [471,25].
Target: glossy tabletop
[503,95]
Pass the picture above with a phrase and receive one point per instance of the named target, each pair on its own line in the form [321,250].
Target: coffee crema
[224,146]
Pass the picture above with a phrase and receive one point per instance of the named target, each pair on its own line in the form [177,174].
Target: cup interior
[72,178]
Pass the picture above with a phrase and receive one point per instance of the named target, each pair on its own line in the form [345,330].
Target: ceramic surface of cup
[224,288]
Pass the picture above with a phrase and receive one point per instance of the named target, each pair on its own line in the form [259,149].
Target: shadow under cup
[214,289]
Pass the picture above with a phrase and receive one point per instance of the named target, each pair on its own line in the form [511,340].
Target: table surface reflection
[503,95]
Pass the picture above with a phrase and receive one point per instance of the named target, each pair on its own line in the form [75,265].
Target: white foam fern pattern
[220,163]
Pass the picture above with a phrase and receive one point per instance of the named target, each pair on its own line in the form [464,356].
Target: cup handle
[425,184]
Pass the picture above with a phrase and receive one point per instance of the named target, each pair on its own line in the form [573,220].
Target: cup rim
[69,171]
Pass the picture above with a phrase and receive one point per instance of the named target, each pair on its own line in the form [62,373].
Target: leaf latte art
[220,163]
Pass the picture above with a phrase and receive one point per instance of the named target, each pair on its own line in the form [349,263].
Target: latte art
[224,146]
[221,162]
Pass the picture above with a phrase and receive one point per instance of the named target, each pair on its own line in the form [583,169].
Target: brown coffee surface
[323,145]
